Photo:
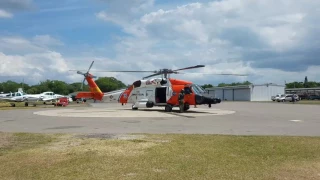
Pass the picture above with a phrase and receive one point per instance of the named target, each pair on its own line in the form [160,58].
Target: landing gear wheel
[209,105]
[134,108]
[186,107]
[26,104]
[168,108]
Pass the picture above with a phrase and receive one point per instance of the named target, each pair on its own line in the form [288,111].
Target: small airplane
[21,96]
[18,96]
[147,93]
[45,96]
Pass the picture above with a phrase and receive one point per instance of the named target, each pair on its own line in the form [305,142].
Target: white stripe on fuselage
[112,97]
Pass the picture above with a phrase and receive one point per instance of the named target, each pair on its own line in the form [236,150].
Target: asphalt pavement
[235,118]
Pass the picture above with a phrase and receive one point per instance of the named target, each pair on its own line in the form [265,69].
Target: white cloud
[5,14]
[31,58]
[46,40]
[270,40]
[7,7]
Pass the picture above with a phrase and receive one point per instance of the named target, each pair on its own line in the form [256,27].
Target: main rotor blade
[156,74]
[79,72]
[226,74]
[127,71]
[191,67]
[115,71]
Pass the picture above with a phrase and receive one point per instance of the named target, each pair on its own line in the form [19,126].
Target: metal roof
[243,86]
[231,87]
[299,89]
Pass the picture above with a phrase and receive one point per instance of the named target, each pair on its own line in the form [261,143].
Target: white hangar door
[242,95]
[228,94]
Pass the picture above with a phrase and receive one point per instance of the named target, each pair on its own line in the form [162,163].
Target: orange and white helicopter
[147,93]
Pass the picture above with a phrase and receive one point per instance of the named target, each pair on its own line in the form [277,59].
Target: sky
[273,41]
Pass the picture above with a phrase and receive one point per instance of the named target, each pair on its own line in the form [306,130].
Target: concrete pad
[236,118]
[122,112]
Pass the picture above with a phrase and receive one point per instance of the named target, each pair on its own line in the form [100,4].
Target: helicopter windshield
[197,89]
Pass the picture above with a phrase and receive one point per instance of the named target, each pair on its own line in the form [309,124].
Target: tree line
[107,84]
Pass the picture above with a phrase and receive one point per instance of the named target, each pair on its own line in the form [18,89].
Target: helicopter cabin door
[150,95]
[161,95]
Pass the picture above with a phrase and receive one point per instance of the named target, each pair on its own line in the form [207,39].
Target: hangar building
[253,92]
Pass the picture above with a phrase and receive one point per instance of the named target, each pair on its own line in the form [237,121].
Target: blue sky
[273,41]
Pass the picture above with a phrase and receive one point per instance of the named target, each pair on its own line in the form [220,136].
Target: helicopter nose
[200,99]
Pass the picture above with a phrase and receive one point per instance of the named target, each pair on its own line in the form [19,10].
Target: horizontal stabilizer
[87,95]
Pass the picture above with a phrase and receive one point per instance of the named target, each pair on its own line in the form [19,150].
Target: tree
[107,84]
[234,84]
[306,82]
[207,86]
[60,87]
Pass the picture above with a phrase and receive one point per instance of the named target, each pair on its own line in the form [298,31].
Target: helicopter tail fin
[95,92]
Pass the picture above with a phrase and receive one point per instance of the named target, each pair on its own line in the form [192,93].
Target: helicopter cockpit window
[201,89]
[195,90]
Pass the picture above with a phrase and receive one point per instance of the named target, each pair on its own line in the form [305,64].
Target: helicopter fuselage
[163,92]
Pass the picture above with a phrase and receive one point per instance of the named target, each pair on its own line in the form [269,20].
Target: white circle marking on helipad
[108,112]
[296,120]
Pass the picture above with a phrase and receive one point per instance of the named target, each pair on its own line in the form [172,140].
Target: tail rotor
[87,74]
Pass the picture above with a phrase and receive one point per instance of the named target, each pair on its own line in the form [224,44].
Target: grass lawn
[63,156]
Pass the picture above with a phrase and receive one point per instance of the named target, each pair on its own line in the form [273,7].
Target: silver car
[288,97]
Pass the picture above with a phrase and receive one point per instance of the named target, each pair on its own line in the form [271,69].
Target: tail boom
[90,95]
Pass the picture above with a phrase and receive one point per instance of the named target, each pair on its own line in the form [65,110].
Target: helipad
[121,112]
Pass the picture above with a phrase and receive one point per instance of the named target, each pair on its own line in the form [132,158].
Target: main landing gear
[168,108]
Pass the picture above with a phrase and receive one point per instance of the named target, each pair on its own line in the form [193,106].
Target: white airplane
[45,96]
[14,97]
[21,96]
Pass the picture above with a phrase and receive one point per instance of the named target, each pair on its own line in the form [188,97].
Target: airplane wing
[2,99]
[11,99]
[50,99]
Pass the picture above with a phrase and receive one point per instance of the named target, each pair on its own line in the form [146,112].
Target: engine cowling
[150,82]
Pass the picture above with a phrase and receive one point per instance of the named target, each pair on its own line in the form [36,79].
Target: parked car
[276,97]
[288,97]
[314,97]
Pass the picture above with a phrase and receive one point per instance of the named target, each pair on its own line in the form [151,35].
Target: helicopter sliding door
[150,95]
[161,95]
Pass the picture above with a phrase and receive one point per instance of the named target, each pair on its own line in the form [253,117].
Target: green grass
[50,156]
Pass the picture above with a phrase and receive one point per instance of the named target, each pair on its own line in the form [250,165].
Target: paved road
[237,118]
